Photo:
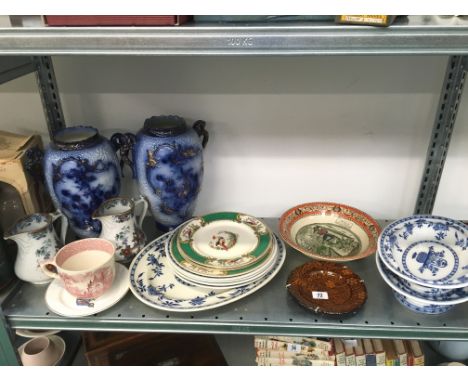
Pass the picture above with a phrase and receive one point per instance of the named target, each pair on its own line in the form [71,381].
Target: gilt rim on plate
[224,241]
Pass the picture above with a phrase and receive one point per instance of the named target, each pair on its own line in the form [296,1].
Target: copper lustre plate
[327,288]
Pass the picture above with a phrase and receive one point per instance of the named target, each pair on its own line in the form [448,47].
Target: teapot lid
[164,126]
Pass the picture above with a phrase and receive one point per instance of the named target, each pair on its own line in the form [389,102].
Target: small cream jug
[121,226]
[37,242]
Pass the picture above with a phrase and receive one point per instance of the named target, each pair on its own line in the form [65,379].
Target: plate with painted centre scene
[224,240]
[330,231]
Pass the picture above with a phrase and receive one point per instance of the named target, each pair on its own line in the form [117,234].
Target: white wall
[284,130]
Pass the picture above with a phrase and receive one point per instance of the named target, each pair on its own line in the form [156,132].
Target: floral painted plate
[196,271]
[224,240]
[212,278]
[153,282]
[428,295]
[330,231]
[63,303]
[427,250]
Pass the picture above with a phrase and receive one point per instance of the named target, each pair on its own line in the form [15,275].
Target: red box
[116,20]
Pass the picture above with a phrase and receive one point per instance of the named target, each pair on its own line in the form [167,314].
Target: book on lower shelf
[379,352]
[370,354]
[415,353]
[359,352]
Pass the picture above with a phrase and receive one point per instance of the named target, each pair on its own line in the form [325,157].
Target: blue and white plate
[153,282]
[428,250]
[421,308]
[423,295]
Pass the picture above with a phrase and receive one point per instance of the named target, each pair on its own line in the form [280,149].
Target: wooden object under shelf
[151,349]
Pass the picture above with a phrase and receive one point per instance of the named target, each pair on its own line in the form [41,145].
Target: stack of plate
[222,250]
[208,262]
[424,259]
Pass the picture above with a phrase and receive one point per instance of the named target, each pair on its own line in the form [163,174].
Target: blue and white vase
[167,159]
[82,171]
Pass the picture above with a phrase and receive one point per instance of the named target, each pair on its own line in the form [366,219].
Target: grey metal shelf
[268,311]
[411,35]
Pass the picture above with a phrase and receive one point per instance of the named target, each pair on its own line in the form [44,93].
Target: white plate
[32,333]
[226,282]
[63,303]
[218,284]
[153,282]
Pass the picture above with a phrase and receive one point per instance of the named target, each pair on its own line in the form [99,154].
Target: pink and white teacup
[86,267]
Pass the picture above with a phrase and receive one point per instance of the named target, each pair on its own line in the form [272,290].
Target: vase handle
[140,200]
[199,127]
[124,143]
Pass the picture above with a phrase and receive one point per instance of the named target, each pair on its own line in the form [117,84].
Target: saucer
[60,347]
[63,303]
[32,333]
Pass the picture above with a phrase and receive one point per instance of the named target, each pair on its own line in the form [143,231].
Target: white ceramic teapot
[121,226]
[37,242]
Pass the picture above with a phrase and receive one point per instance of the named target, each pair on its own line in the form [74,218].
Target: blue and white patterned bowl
[417,294]
[418,307]
[431,251]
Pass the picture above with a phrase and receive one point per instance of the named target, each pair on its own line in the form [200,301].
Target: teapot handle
[63,226]
[199,127]
[124,143]
[141,200]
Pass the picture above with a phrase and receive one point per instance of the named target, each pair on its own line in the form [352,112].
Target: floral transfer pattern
[81,187]
[155,284]
[128,242]
[405,233]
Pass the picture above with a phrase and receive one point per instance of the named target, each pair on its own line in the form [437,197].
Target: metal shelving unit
[29,49]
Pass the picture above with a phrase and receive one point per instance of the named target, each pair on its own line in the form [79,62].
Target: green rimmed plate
[198,270]
[225,241]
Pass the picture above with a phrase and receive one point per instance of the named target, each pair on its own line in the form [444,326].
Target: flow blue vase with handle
[167,159]
[82,171]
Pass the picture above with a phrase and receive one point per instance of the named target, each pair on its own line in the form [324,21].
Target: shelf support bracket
[49,92]
[449,101]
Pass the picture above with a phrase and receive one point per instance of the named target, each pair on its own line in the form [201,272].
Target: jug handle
[141,200]
[124,143]
[199,127]
[63,226]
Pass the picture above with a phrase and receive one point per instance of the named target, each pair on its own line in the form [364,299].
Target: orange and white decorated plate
[330,231]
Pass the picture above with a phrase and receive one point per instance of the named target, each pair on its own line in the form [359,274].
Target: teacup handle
[63,225]
[50,269]
[141,200]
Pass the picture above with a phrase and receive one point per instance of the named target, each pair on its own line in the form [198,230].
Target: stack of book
[377,352]
[309,351]
[289,351]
